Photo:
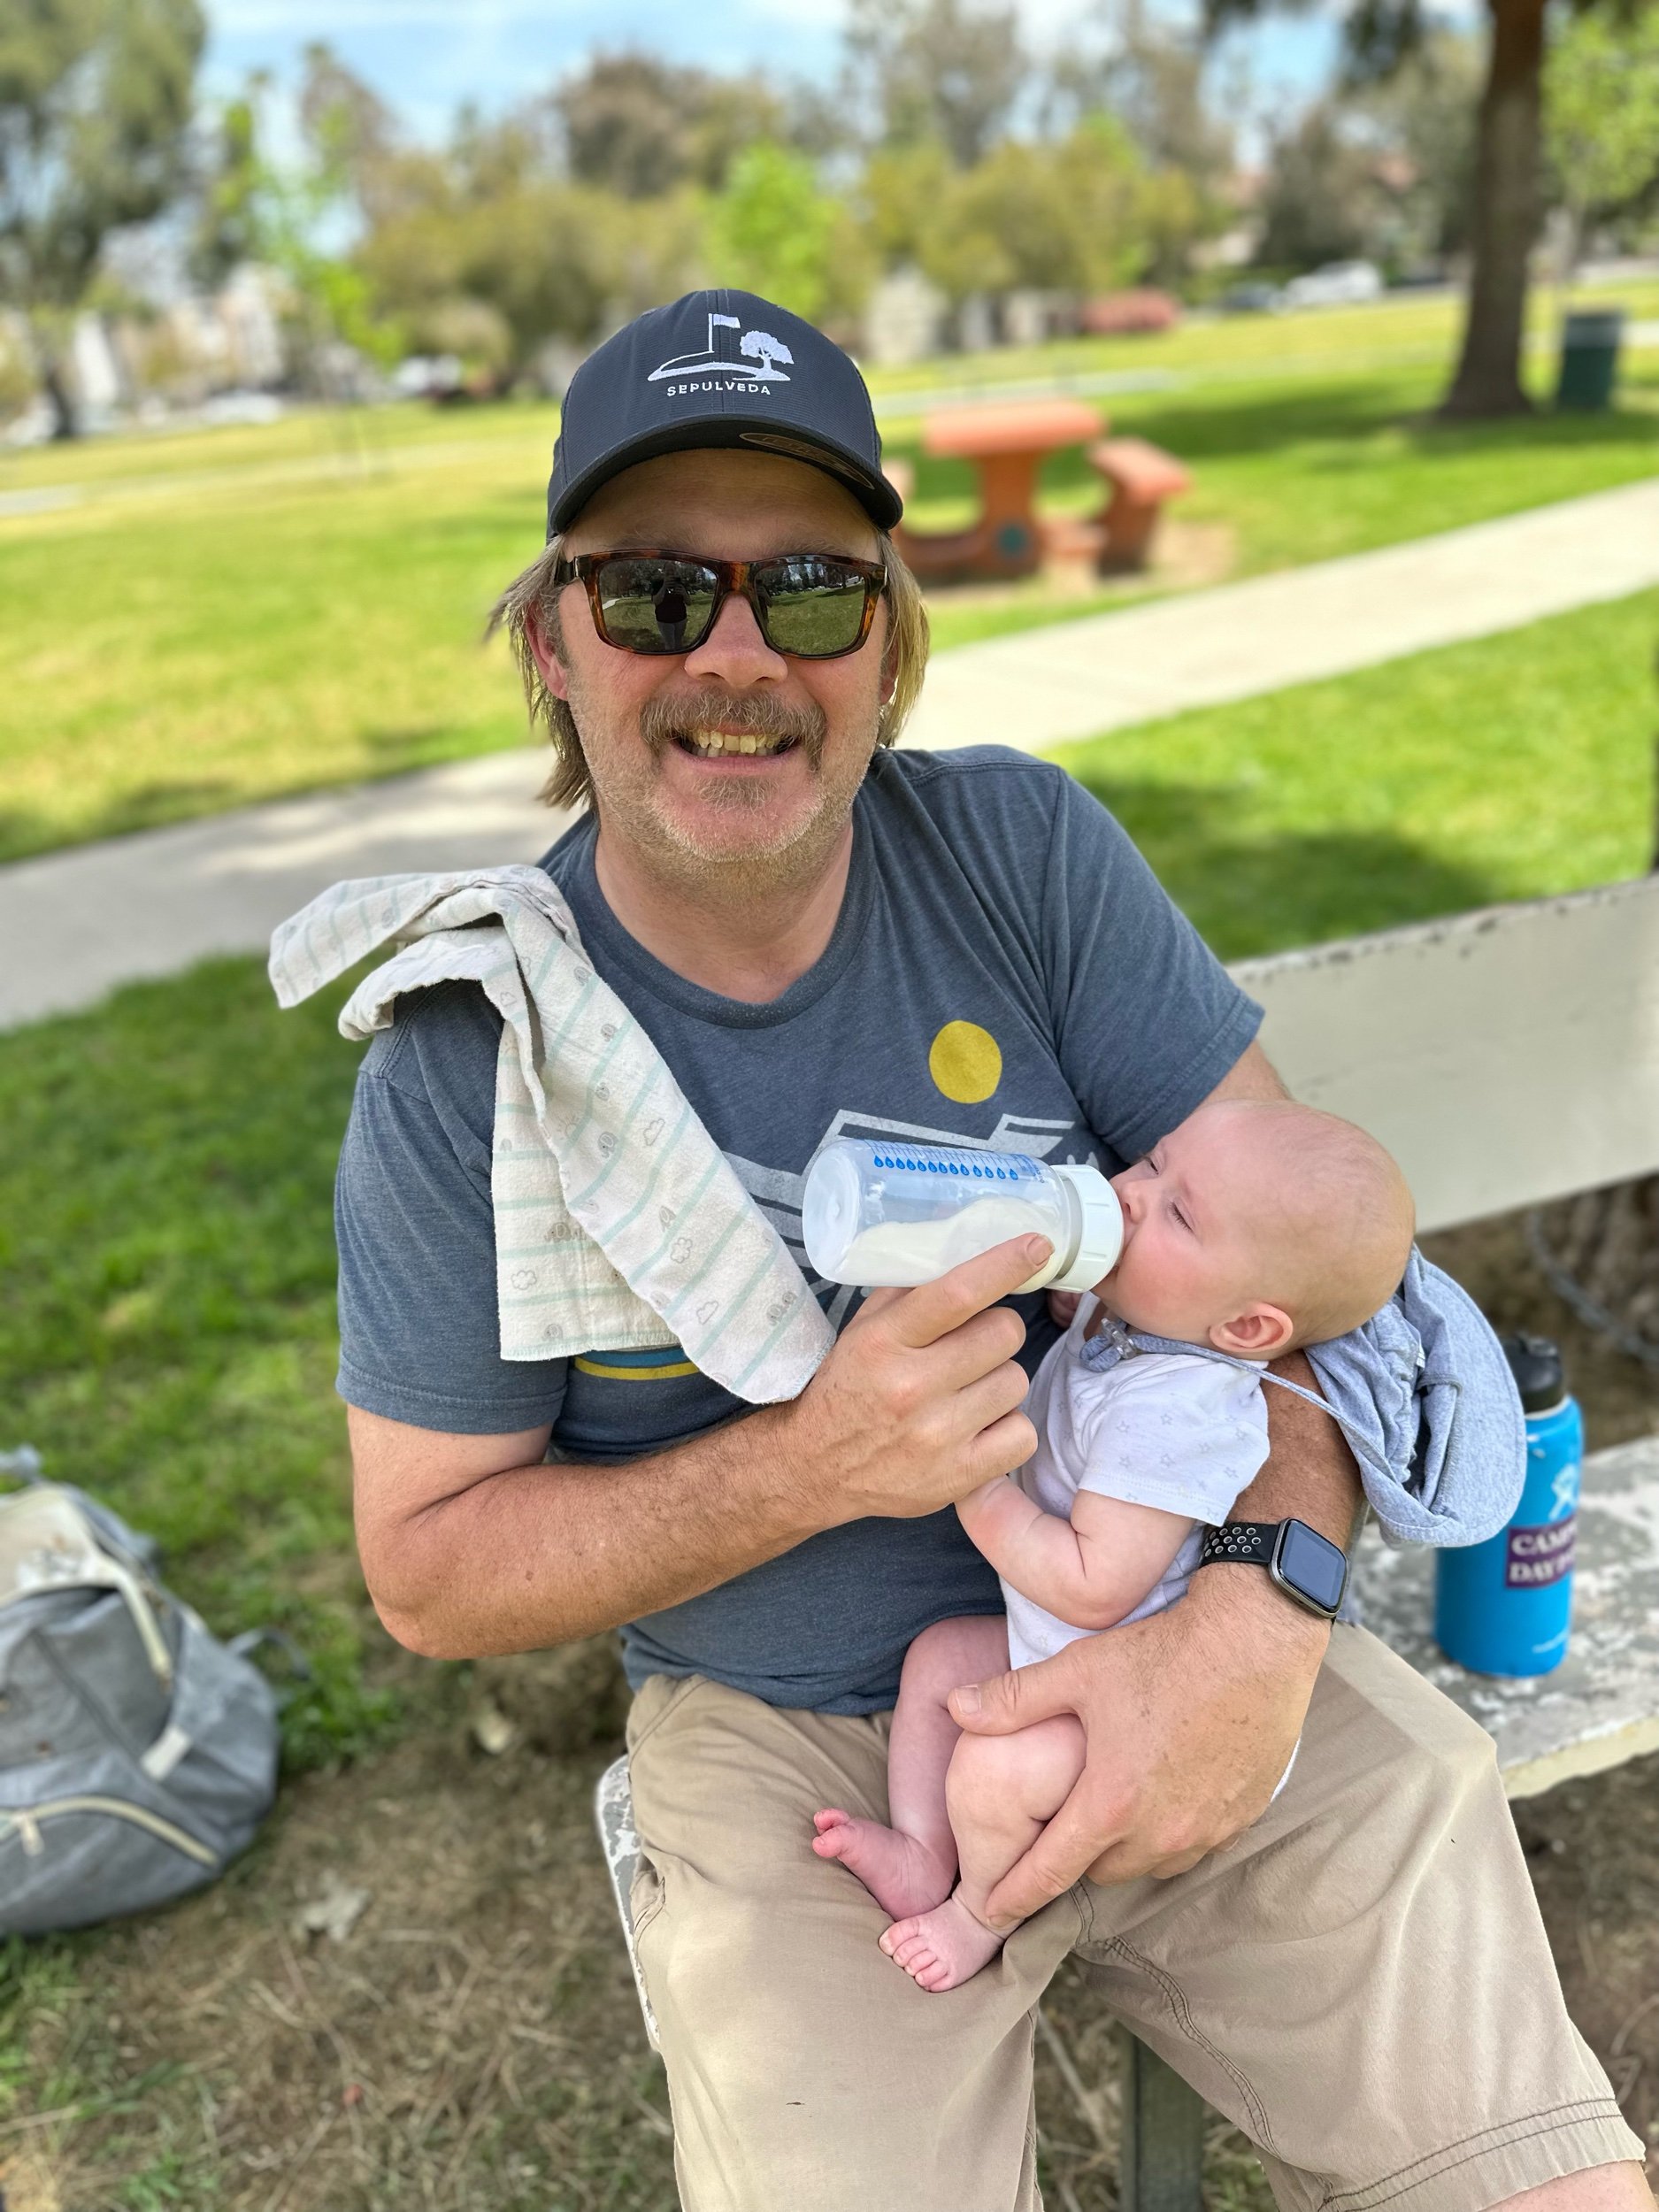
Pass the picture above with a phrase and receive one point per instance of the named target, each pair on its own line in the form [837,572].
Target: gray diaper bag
[138,1754]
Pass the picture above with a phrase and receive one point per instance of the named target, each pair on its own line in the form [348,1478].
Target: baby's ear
[1261,1332]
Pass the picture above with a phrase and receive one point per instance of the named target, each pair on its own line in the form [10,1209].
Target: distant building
[904,319]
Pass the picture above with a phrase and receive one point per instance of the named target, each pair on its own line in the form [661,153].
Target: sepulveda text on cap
[717,368]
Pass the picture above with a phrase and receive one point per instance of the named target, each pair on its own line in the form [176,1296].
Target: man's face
[773,814]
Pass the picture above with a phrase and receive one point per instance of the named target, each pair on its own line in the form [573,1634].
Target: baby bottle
[877,1214]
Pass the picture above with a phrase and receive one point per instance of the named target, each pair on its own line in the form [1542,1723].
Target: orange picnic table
[1007,442]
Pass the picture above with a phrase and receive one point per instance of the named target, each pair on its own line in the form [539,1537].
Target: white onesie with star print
[1160,1428]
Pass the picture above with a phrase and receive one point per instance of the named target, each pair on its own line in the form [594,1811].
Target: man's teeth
[713,744]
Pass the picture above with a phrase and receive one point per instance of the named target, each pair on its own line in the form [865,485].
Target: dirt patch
[1594,1850]
[468,2037]
[1493,1259]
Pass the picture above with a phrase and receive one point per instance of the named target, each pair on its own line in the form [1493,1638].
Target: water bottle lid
[1535,1362]
[1103,1237]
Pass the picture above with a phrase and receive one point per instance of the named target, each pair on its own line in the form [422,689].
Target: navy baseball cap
[717,368]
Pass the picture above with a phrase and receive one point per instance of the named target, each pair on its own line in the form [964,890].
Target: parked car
[1339,284]
[1249,299]
[1116,314]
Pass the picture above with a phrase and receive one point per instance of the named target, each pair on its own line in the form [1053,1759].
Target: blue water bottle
[1504,1607]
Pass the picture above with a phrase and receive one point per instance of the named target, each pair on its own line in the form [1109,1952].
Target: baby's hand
[1063,1306]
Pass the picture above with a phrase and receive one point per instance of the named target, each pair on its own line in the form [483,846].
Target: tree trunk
[68,423]
[1488,379]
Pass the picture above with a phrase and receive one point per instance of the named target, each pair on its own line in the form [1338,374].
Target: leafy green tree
[1149,74]
[285,214]
[774,230]
[947,71]
[1602,117]
[1423,120]
[95,112]
[1322,201]
[1082,215]
[1381,34]
[641,127]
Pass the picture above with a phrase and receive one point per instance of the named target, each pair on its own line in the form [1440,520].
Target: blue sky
[425,57]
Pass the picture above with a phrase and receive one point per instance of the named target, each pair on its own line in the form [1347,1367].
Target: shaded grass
[166,1305]
[1512,767]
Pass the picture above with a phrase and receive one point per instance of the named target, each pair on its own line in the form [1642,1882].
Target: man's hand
[1190,1718]
[917,1403]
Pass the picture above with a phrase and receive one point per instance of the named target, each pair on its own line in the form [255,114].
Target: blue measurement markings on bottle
[993,1167]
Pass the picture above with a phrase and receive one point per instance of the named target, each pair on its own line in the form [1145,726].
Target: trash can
[1589,356]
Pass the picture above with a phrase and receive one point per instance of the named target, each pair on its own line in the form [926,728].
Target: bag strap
[245,1645]
[50,1543]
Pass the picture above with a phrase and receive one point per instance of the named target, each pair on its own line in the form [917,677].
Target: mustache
[663,717]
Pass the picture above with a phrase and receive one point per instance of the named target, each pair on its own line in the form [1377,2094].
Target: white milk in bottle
[878,1214]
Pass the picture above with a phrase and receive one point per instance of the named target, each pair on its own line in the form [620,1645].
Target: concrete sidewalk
[74,923]
[1204,649]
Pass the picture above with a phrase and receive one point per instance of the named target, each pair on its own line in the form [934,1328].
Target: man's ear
[547,660]
[1261,1332]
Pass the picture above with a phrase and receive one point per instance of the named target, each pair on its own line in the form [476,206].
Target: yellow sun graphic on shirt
[965,1062]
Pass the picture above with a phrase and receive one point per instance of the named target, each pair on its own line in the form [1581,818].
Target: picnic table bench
[1506,1058]
[1007,440]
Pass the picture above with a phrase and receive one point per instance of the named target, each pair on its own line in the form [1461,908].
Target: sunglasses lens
[814,607]
[656,606]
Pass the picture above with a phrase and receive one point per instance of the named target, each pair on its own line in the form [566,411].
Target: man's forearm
[471,1545]
[1311,1477]
[540,1555]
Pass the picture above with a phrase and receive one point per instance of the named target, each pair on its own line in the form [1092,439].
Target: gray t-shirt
[1005,969]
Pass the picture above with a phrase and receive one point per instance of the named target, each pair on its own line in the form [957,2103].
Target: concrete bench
[1506,1058]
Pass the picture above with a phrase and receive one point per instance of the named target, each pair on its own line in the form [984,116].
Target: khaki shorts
[1362,1984]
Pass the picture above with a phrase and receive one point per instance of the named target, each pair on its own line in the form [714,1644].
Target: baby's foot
[903,1874]
[942,1947]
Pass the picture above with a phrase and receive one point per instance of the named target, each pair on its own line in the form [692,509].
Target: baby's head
[1258,1225]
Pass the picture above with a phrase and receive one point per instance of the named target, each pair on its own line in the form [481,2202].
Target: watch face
[1310,1564]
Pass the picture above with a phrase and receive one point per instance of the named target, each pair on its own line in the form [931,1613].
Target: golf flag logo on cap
[717,368]
[761,351]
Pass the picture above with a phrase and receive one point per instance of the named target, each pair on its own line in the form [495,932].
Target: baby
[1256,1227]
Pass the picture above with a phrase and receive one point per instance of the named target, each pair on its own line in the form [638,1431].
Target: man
[820,936]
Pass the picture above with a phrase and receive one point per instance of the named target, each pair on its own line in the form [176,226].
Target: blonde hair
[532,601]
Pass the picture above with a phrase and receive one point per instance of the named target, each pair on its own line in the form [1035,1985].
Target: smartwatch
[1309,1568]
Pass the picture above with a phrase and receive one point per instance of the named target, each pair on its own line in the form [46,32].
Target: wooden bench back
[1505,1057]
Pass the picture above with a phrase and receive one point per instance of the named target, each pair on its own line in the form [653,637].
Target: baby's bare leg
[1001,1790]
[910,1866]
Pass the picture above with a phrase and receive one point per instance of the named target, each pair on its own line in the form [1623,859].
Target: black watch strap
[1309,1568]
[1244,1543]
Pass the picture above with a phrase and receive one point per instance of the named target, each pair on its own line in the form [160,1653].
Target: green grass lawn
[166,1302]
[1512,767]
[244,613]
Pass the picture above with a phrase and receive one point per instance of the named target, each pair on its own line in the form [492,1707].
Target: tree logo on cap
[756,345]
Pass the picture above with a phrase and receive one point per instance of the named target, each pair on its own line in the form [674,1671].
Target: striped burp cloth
[619,1222]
